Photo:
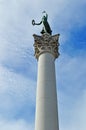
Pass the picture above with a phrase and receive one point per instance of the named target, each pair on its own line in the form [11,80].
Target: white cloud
[15,125]
[77,116]
[80,112]
[15,92]
[71,92]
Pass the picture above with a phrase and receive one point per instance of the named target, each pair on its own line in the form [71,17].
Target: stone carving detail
[46,43]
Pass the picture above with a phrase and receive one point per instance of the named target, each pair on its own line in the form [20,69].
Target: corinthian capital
[46,43]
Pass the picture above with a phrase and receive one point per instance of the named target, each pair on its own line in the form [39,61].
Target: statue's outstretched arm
[38,23]
[46,14]
[33,23]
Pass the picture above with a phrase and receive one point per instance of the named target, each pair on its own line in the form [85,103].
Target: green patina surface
[46,27]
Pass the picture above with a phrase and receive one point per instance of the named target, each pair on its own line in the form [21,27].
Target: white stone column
[46,51]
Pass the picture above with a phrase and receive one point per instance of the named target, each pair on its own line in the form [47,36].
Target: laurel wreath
[33,22]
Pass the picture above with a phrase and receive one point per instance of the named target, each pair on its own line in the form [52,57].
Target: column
[46,51]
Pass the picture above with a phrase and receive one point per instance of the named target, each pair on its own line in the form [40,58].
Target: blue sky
[18,66]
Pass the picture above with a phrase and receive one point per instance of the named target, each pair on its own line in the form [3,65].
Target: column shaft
[46,98]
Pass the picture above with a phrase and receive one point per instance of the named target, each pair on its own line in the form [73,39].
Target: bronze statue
[46,27]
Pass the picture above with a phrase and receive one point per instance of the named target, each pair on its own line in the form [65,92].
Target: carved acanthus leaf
[46,43]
